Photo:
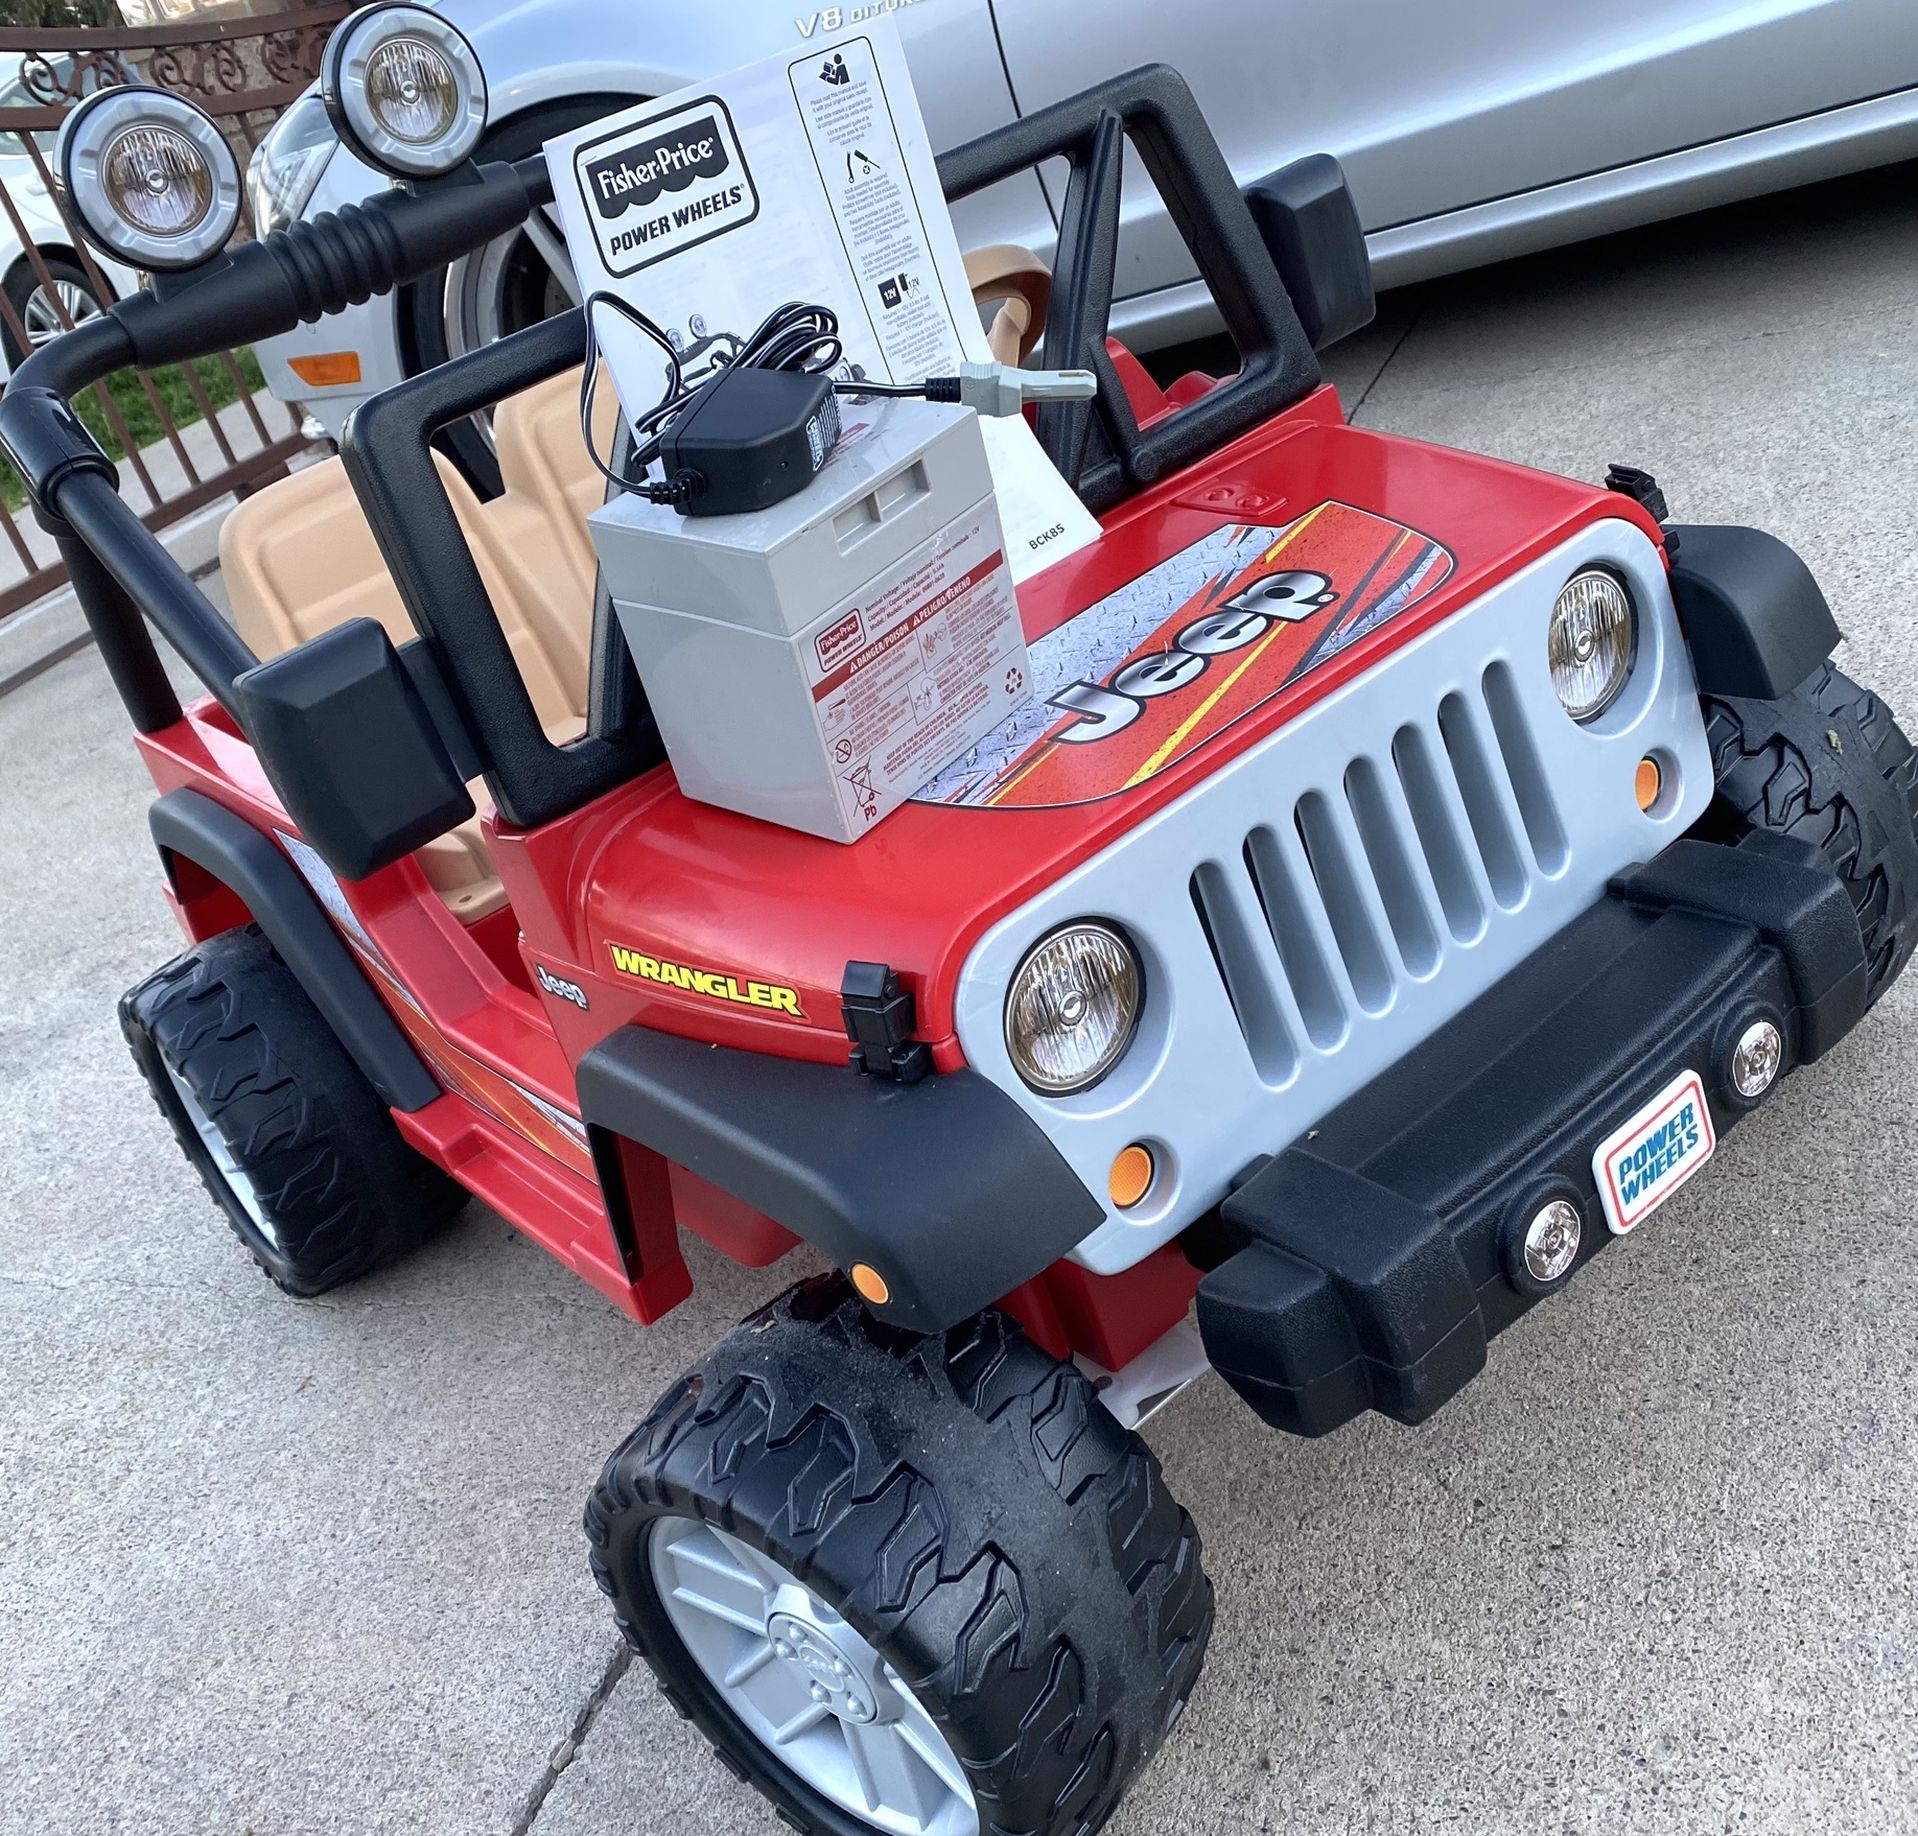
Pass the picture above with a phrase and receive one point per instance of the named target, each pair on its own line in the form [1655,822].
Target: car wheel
[511,283]
[40,307]
[1829,765]
[290,1139]
[919,1586]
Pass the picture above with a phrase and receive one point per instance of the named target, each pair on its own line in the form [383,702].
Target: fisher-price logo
[840,639]
[655,186]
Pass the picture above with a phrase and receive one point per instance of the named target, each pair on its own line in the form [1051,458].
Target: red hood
[720,926]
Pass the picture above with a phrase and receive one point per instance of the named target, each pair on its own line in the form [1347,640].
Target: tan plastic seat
[299,558]
[1021,284]
[544,465]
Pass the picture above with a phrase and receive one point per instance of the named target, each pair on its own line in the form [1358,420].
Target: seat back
[544,463]
[299,558]
[1020,285]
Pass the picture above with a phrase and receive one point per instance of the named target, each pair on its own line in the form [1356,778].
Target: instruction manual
[807,177]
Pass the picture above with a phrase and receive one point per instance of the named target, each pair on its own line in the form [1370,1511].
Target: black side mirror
[1311,230]
[348,745]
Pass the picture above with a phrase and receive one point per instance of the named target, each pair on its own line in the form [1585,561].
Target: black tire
[23,283]
[968,1505]
[339,1190]
[420,308]
[1828,764]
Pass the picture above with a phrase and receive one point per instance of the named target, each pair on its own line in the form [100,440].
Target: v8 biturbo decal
[1150,673]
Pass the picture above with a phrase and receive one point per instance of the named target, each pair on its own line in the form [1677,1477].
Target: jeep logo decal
[1168,662]
[1100,710]
[561,989]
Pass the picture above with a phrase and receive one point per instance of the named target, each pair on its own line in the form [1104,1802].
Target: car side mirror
[347,742]
[1310,227]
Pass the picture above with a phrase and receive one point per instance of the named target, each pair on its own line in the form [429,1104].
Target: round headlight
[1073,1008]
[149,177]
[404,90]
[1591,643]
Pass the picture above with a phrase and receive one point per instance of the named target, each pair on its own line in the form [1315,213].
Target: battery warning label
[931,655]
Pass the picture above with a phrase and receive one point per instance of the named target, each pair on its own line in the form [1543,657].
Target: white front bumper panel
[1327,899]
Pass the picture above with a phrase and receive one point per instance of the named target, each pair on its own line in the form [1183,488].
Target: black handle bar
[295,275]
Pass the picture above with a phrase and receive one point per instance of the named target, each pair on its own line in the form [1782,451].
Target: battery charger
[748,438]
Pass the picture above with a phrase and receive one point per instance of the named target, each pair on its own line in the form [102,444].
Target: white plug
[1000,388]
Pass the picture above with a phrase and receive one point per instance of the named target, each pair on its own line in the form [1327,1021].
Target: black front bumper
[1372,1260]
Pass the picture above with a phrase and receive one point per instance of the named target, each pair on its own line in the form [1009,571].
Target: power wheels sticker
[657,186]
[1148,674]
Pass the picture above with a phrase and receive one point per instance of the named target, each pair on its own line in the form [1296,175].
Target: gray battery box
[816,662]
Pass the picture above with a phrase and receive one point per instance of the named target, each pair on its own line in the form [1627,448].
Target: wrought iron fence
[193,434]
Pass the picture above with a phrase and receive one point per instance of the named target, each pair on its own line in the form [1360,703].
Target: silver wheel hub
[47,315]
[848,1687]
[804,1683]
[232,1174]
[474,305]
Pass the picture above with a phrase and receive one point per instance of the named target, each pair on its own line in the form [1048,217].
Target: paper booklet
[805,177]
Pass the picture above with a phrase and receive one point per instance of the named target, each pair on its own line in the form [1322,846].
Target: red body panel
[654,872]
[699,922]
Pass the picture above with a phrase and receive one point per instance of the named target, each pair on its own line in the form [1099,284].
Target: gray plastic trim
[1413,837]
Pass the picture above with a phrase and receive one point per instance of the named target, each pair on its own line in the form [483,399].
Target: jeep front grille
[1318,904]
[1417,847]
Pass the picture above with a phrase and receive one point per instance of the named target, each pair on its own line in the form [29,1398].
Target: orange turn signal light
[871,1284]
[327,370]
[1132,1174]
[1648,783]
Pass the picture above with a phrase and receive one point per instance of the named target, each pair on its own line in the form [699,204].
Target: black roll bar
[295,275]
[388,449]
[1099,445]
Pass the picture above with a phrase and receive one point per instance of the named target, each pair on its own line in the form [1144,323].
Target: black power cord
[797,337]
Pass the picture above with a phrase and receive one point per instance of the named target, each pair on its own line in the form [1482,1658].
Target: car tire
[960,1511]
[1828,764]
[290,1138]
[422,309]
[28,298]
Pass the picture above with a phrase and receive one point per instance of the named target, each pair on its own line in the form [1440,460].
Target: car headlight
[288,164]
[149,177]
[405,90]
[1592,642]
[1073,1007]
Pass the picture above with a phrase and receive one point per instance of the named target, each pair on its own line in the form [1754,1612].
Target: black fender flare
[946,1187]
[1754,618]
[188,825]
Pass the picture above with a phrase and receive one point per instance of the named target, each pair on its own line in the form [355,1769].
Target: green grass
[142,424]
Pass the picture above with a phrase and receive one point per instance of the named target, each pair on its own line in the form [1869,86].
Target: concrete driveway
[281,1568]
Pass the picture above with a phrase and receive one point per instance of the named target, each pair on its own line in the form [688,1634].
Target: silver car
[1469,132]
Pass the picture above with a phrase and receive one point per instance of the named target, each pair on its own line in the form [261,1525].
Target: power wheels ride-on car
[1408,869]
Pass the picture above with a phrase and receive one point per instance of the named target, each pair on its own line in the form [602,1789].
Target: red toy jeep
[1408,866]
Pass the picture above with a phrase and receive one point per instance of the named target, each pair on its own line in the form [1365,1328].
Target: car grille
[1417,847]
[1330,896]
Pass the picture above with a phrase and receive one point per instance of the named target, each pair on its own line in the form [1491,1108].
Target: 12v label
[1639,1166]
[657,186]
